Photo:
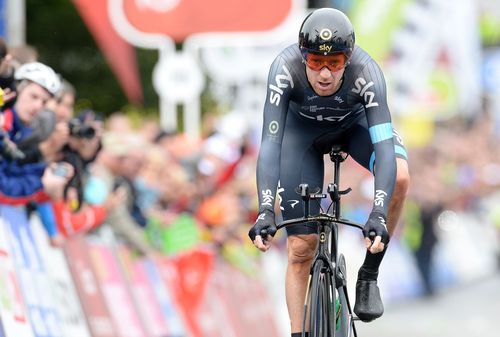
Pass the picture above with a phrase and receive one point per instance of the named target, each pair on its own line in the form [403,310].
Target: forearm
[268,168]
[86,219]
[385,175]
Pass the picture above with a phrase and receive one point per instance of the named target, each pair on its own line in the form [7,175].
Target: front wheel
[323,303]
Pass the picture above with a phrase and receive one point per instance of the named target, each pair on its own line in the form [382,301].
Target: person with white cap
[20,183]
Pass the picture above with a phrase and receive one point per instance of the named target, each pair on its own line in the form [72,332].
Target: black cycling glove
[376,224]
[264,225]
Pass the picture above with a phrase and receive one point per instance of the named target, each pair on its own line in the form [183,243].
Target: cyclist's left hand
[262,232]
[375,232]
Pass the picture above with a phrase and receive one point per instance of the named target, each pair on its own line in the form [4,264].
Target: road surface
[471,310]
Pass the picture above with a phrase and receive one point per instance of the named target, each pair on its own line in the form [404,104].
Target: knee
[301,248]
[402,179]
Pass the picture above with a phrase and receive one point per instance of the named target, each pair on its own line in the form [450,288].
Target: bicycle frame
[328,229]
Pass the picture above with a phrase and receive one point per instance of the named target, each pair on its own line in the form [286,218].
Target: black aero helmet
[326,31]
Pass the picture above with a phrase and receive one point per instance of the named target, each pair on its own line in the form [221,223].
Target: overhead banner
[181,18]
[178,77]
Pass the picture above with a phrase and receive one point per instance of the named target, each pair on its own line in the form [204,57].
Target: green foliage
[56,30]
[139,115]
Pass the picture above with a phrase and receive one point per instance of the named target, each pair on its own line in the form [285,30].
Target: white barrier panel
[43,295]
[71,318]
[33,279]
[13,314]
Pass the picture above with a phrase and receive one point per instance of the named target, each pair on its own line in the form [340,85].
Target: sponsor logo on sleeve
[267,198]
[282,82]
[380,198]
[274,127]
[361,88]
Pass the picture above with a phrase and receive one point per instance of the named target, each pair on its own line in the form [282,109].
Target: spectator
[51,127]
[36,83]
[6,75]
[111,173]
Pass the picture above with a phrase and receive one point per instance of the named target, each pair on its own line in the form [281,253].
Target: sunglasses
[334,62]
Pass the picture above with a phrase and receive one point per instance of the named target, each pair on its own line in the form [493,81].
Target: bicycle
[327,316]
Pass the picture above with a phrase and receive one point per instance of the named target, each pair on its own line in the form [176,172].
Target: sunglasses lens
[333,62]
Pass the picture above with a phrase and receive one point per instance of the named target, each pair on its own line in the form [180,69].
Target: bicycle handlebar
[320,217]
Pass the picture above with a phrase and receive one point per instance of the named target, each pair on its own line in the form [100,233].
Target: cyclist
[321,91]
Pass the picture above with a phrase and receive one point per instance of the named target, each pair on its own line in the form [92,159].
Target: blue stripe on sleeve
[397,150]
[380,132]
[401,151]
[372,161]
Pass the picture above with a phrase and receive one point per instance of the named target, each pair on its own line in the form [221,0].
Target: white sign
[178,78]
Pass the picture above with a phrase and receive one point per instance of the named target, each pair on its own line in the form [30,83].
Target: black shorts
[302,155]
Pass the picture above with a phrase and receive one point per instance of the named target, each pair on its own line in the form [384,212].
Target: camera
[9,150]
[61,170]
[80,130]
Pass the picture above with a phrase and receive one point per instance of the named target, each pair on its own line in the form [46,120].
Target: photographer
[84,206]
[36,83]
[7,86]
[51,127]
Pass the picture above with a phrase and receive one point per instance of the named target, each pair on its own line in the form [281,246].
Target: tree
[62,40]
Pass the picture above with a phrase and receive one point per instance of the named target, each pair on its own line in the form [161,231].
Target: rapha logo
[278,192]
[382,221]
[380,197]
[281,83]
[310,98]
[362,89]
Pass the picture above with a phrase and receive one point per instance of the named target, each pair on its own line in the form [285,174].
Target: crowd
[78,171]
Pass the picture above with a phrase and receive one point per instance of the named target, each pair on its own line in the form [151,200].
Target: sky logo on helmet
[326,48]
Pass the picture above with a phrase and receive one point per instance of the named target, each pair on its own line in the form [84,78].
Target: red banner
[186,17]
[93,302]
[119,53]
[188,275]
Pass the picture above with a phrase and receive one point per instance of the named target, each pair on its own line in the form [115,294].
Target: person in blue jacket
[22,183]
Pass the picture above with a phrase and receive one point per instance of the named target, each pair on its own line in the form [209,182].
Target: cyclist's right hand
[263,230]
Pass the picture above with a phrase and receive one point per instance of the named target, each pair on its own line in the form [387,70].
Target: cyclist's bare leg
[301,249]
[398,195]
